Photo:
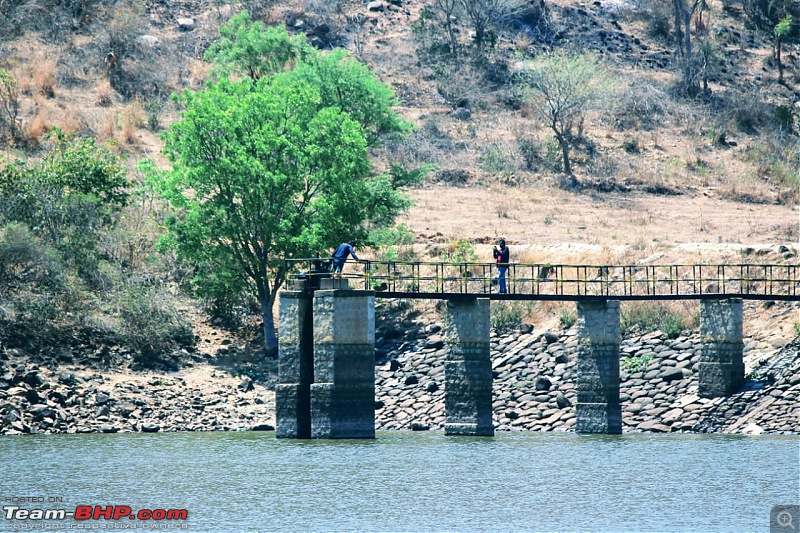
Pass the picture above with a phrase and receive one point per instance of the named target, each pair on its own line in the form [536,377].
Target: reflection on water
[405,481]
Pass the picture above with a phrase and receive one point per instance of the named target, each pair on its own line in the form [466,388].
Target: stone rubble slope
[534,386]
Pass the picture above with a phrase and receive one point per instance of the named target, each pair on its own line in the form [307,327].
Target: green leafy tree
[561,88]
[274,167]
[251,48]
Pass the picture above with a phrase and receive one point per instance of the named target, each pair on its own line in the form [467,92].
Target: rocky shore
[534,389]
[200,397]
[534,386]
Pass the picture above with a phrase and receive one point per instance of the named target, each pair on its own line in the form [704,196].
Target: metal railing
[442,280]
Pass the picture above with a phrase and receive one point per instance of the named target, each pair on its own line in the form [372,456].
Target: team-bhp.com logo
[83,516]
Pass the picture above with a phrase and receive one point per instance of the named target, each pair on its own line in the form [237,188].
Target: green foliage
[531,150]
[249,47]
[797,329]
[393,243]
[783,27]
[506,316]
[461,251]
[566,318]
[67,197]
[646,317]
[636,363]
[276,166]
[495,159]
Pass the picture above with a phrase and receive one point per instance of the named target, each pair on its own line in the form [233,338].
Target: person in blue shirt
[340,256]
[501,256]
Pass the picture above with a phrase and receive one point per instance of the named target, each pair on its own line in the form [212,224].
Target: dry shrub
[131,119]
[107,128]
[747,189]
[36,77]
[640,106]
[104,94]
[44,77]
[71,123]
[37,126]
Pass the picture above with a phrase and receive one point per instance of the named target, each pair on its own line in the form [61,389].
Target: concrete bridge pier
[343,392]
[295,366]
[597,384]
[721,366]
[468,369]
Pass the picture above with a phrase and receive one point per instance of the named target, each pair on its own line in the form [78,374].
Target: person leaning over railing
[339,257]
[502,256]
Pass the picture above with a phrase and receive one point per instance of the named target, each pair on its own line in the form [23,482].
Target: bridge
[326,335]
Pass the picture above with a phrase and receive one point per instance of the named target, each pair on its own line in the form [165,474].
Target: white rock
[185,24]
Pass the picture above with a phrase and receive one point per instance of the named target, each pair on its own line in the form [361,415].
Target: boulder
[543,383]
[462,113]
[150,428]
[185,24]
[549,337]
[562,401]
[246,385]
[435,342]
[672,374]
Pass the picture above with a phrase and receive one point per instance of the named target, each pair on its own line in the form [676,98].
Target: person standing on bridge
[339,257]
[502,256]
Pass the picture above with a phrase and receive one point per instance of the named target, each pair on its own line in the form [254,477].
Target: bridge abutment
[597,384]
[721,366]
[295,366]
[468,369]
[343,392]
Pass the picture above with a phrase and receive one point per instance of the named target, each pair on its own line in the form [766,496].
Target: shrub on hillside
[67,198]
[150,323]
[645,317]
[506,316]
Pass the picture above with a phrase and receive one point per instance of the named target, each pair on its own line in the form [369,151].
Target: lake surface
[405,481]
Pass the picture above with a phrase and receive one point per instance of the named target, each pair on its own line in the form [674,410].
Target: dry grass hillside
[656,171]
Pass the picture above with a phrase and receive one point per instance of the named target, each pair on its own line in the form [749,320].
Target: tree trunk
[778,58]
[683,40]
[562,141]
[266,302]
[270,339]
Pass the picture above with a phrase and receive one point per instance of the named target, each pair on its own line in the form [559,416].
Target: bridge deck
[442,280]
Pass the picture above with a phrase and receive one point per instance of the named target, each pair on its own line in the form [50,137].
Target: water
[406,481]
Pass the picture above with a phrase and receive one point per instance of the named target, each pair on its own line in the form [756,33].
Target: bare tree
[561,88]
[487,16]
[436,16]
